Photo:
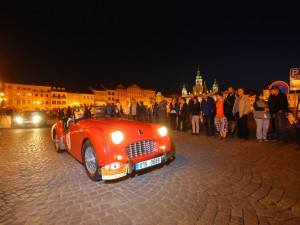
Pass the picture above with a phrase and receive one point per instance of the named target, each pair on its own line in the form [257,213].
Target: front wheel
[56,144]
[90,161]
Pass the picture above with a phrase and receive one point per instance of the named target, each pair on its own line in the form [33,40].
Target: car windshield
[31,113]
[89,112]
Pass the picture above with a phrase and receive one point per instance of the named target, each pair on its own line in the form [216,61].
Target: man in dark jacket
[280,107]
[190,104]
[295,128]
[208,108]
[182,113]
[154,110]
[231,119]
[271,105]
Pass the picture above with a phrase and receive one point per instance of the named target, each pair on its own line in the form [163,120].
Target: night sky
[155,45]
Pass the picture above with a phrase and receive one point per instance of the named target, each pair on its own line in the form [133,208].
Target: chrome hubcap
[90,160]
[56,142]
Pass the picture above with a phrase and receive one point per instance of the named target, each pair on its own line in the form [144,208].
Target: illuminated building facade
[41,97]
[27,97]
[59,97]
[24,97]
[104,94]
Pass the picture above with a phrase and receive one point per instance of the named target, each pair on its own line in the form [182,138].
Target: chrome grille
[140,148]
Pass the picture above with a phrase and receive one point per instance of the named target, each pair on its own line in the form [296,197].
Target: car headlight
[163,131]
[117,137]
[36,119]
[19,119]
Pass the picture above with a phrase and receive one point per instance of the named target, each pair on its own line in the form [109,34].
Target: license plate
[147,163]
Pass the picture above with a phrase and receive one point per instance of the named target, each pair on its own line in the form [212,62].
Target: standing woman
[222,113]
[173,113]
[262,118]
[195,111]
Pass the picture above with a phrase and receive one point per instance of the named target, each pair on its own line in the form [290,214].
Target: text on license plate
[147,163]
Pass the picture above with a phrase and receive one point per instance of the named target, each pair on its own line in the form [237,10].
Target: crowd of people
[226,116]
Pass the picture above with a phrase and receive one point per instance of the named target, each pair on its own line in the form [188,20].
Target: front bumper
[124,169]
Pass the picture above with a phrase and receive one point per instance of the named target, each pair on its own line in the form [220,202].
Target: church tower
[199,78]
[184,91]
[198,88]
[215,87]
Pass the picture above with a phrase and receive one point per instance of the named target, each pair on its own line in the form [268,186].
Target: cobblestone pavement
[210,182]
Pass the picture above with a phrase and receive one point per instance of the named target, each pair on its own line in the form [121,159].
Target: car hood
[130,129]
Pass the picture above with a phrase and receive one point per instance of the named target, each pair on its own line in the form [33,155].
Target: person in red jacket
[222,113]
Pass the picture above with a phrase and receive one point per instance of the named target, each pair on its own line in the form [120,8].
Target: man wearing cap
[280,107]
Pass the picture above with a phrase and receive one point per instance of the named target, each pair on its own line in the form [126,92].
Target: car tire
[90,161]
[56,143]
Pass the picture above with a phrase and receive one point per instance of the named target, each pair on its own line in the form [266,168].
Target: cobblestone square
[209,182]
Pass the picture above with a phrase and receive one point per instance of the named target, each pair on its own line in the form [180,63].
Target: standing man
[127,110]
[240,110]
[118,108]
[134,110]
[271,106]
[173,113]
[231,119]
[154,111]
[207,113]
[163,111]
[190,105]
[279,109]
[182,112]
[195,116]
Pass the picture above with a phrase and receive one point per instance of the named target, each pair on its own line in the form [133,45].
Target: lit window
[58,102]
[53,102]
[18,101]
[23,102]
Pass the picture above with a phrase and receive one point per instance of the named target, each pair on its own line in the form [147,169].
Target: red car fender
[58,128]
[99,141]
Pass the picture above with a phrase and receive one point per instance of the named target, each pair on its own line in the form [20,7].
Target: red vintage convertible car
[110,148]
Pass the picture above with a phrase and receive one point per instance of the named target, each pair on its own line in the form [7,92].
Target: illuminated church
[200,87]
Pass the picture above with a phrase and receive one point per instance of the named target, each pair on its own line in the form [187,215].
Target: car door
[73,140]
